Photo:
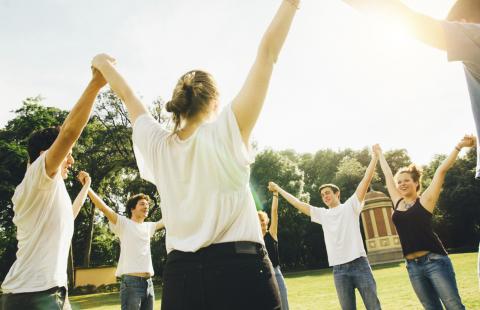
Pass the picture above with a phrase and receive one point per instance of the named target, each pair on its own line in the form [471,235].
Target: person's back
[203,179]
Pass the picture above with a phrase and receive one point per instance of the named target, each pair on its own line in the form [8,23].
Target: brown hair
[414,172]
[41,140]
[132,202]
[465,9]
[192,94]
[333,187]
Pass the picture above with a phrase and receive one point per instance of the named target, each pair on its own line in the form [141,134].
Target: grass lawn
[315,289]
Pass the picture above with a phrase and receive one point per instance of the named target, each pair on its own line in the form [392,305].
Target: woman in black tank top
[429,268]
[271,243]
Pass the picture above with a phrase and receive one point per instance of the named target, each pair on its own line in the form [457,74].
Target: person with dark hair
[134,266]
[270,236]
[458,35]
[428,265]
[44,212]
[343,239]
[216,254]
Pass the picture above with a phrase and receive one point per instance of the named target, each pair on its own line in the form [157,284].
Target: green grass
[315,289]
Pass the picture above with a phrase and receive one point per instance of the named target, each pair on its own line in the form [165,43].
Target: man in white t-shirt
[343,239]
[135,264]
[44,213]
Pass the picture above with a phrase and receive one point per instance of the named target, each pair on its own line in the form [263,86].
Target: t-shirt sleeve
[37,173]
[119,227]
[354,203]
[228,132]
[147,137]
[463,41]
[316,214]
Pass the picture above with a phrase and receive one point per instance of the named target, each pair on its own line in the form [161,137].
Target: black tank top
[272,249]
[414,227]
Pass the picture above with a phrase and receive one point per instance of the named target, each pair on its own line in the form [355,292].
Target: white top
[202,182]
[341,229]
[135,255]
[44,220]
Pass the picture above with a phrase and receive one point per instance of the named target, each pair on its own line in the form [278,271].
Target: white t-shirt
[341,229]
[44,220]
[135,255]
[202,181]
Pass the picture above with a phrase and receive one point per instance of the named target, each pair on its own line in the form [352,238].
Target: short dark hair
[465,9]
[333,187]
[41,140]
[132,202]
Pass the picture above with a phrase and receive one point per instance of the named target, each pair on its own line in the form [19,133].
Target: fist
[84,178]
[273,187]
[467,141]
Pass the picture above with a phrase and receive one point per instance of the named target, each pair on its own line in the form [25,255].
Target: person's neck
[189,127]
[334,205]
[410,199]
[138,219]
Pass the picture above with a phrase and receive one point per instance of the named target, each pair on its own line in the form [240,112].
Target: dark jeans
[50,299]
[433,279]
[136,293]
[233,275]
[356,274]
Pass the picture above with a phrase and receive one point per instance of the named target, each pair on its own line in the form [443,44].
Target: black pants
[233,275]
[50,299]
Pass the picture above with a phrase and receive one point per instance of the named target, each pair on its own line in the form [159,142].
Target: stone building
[381,238]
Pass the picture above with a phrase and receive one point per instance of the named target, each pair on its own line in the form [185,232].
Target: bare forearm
[277,32]
[367,179]
[80,200]
[294,201]
[100,205]
[121,87]
[274,216]
[425,28]
[79,115]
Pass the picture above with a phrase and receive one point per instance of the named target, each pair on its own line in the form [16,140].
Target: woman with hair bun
[216,253]
[429,267]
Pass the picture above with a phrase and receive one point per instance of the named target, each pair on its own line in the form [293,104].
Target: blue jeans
[282,287]
[433,280]
[51,299]
[136,293]
[356,274]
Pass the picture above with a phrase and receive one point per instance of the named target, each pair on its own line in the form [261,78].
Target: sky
[342,80]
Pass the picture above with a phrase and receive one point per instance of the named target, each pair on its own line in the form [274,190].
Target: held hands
[273,187]
[102,59]
[467,141]
[376,151]
[84,178]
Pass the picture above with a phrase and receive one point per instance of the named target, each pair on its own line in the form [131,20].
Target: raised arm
[105,64]
[86,181]
[387,172]
[367,178]
[430,195]
[249,101]
[73,125]
[100,205]
[294,201]
[425,28]
[274,217]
